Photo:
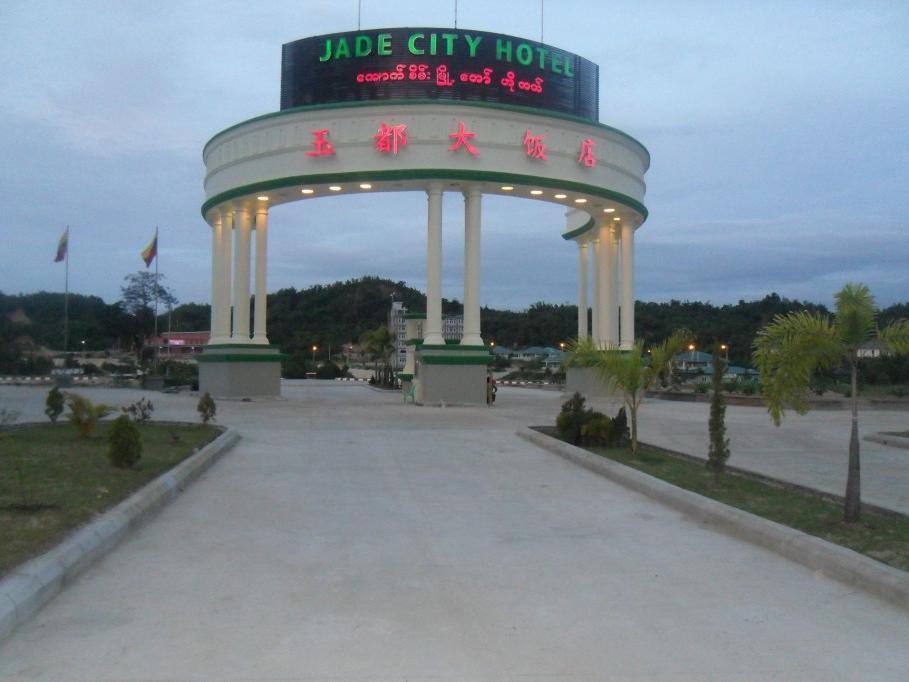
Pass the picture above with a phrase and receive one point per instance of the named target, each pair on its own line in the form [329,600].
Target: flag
[62,246]
[151,251]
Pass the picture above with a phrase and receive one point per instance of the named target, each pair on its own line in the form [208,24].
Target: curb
[28,588]
[839,563]
[892,441]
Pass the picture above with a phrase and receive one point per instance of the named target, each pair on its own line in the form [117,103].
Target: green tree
[138,300]
[379,345]
[53,404]
[718,452]
[792,347]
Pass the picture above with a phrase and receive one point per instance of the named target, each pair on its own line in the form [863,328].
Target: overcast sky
[779,133]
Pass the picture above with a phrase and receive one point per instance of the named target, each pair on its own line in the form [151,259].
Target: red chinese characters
[322,146]
[390,138]
[587,157]
[462,138]
[534,146]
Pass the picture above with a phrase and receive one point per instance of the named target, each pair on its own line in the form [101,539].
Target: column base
[472,340]
[452,375]
[260,339]
[586,381]
[244,371]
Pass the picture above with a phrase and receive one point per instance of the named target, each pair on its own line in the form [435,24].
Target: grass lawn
[885,538]
[69,481]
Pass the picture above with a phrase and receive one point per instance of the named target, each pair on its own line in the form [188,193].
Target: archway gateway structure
[437,111]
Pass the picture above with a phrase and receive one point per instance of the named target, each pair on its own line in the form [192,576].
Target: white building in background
[452,330]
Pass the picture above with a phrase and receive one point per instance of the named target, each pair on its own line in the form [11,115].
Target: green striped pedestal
[451,374]
[240,370]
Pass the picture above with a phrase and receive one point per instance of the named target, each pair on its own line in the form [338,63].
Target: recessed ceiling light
[307,190]
[560,196]
[608,210]
[536,192]
[262,198]
[506,188]
[365,185]
[617,218]
[335,188]
[580,201]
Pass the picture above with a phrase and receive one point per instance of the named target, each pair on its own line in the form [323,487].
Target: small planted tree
[124,443]
[206,408]
[789,351]
[140,411]
[718,452]
[572,418]
[629,372]
[53,404]
[83,414]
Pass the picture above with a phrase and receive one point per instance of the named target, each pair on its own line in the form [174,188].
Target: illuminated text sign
[451,65]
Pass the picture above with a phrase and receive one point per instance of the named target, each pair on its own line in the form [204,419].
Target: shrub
[207,408]
[620,432]
[53,404]
[700,387]
[140,410]
[125,447]
[731,386]
[328,370]
[597,430]
[749,388]
[718,452]
[83,414]
[572,418]
[899,392]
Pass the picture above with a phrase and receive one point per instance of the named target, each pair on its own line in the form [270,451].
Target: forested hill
[339,313]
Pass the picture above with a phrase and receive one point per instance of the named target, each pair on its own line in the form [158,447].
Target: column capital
[434,188]
[471,191]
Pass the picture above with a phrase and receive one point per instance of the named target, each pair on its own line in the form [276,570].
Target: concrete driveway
[350,537]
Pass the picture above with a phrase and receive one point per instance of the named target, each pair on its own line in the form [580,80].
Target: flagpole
[66,297]
[157,252]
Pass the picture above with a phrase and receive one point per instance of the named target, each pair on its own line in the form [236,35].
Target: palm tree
[628,370]
[792,347]
[379,344]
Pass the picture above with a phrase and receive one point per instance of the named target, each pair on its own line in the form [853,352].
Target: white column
[241,276]
[472,212]
[612,299]
[221,301]
[605,276]
[595,313]
[216,277]
[627,286]
[433,330]
[261,265]
[582,290]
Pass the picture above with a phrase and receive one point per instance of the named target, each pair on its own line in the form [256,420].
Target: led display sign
[441,64]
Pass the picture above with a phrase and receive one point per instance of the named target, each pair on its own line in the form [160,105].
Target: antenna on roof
[541,21]
[456,14]
[359,12]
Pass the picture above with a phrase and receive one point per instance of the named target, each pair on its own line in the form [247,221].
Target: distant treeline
[337,314]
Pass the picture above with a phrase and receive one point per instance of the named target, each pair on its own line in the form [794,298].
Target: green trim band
[452,346]
[240,345]
[241,357]
[413,342]
[404,376]
[579,231]
[425,174]
[407,102]
[456,360]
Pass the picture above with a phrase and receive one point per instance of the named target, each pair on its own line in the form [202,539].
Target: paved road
[349,537]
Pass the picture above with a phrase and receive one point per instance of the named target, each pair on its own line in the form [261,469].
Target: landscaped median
[884,536]
[75,484]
